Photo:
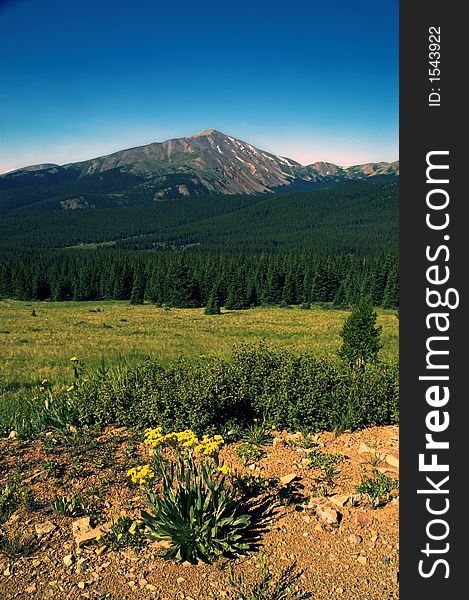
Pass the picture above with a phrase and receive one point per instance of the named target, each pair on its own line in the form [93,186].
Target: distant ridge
[209,162]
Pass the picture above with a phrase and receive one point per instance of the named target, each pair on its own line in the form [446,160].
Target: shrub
[290,390]
[378,488]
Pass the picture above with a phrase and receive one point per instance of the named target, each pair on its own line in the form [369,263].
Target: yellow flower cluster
[141,474]
[184,440]
[225,469]
[209,444]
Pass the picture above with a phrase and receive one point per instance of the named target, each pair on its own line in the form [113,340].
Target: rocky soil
[337,545]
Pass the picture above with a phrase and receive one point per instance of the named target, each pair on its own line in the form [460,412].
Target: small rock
[364,448]
[68,560]
[31,589]
[392,460]
[150,587]
[83,533]
[361,519]
[44,528]
[362,559]
[355,539]
[277,442]
[327,512]
[81,525]
[180,580]
[340,500]
[286,479]
[13,435]
[81,585]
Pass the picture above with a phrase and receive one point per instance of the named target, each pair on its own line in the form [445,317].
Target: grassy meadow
[37,339]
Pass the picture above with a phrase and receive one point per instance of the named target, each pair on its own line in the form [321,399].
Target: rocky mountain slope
[206,163]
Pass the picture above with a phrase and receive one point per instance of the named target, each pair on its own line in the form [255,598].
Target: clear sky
[308,79]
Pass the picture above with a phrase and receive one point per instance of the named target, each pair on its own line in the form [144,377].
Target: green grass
[33,348]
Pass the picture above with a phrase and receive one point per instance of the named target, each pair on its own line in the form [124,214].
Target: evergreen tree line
[193,280]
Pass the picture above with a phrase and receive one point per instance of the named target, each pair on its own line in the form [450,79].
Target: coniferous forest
[188,280]
[328,246]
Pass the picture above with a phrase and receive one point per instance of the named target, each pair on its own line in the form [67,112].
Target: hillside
[358,219]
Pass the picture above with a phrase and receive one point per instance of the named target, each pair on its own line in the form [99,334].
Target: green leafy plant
[257,435]
[69,506]
[11,496]
[124,533]
[378,488]
[268,587]
[197,512]
[248,452]
[54,469]
[250,486]
[324,461]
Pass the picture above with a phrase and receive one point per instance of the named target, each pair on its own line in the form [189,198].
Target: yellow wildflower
[74,358]
[141,474]
[184,439]
[225,469]
[70,388]
[119,535]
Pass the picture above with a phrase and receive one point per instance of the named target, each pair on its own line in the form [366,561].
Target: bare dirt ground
[314,523]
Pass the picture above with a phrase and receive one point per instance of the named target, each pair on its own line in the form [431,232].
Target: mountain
[30,168]
[209,162]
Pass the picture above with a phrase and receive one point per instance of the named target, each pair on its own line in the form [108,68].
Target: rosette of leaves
[197,512]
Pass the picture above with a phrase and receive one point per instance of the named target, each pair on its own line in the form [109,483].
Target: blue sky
[306,79]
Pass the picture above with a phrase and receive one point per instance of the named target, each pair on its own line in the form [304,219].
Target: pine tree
[391,291]
[361,337]
[213,306]
[288,292]
[182,289]
[137,294]
[235,297]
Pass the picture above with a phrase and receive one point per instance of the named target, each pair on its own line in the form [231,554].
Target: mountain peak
[206,133]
